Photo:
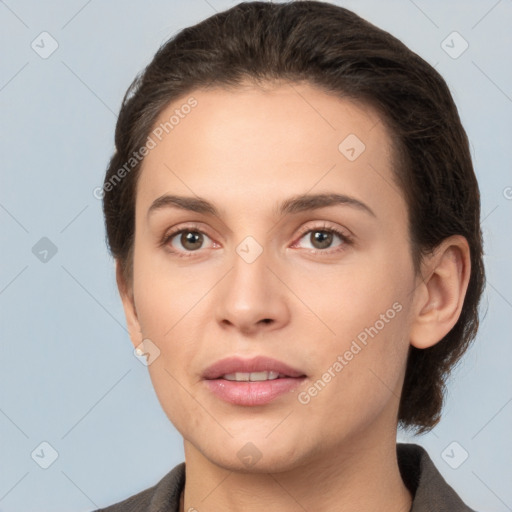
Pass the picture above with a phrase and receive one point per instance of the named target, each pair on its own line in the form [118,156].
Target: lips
[251,382]
[232,365]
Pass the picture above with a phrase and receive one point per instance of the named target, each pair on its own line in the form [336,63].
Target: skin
[246,151]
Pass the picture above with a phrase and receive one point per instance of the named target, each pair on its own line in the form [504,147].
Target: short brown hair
[332,48]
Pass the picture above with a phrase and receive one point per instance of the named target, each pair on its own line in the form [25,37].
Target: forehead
[274,140]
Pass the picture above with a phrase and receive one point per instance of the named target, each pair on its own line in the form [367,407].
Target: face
[258,268]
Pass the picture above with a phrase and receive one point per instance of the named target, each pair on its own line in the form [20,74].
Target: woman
[295,220]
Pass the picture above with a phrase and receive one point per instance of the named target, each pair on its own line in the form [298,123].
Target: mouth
[255,369]
[253,376]
[251,382]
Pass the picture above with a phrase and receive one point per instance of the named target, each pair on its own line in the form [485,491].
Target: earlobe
[127,298]
[439,298]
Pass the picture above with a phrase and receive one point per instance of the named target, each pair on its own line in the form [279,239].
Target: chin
[267,462]
[254,453]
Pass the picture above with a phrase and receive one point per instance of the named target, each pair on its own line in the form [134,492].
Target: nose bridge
[252,296]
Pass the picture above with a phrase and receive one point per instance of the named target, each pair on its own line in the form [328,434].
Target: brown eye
[188,241]
[321,239]
[191,240]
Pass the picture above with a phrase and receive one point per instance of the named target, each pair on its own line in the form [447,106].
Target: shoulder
[431,491]
[163,496]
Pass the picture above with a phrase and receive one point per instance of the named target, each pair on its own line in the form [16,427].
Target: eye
[322,237]
[185,241]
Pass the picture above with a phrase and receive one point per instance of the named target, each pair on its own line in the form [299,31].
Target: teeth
[253,376]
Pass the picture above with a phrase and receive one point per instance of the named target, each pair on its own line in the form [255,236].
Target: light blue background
[67,372]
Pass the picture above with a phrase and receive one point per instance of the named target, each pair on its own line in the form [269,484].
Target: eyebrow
[295,204]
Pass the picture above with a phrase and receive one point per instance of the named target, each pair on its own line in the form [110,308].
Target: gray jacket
[431,492]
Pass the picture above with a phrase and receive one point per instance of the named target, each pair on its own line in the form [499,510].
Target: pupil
[323,238]
[191,237]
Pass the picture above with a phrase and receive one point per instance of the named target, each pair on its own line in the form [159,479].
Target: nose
[252,298]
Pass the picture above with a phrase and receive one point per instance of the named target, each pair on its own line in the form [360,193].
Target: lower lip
[252,393]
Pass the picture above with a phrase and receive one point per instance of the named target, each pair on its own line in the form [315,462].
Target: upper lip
[255,364]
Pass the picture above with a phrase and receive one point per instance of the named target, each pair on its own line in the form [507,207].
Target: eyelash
[346,239]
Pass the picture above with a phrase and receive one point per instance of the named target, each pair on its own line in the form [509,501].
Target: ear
[439,297]
[126,293]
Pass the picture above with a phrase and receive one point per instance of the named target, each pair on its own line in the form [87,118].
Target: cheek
[358,376]
[165,307]
[369,294]
[360,367]
[166,295]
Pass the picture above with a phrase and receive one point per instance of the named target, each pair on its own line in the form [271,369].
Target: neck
[362,474]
